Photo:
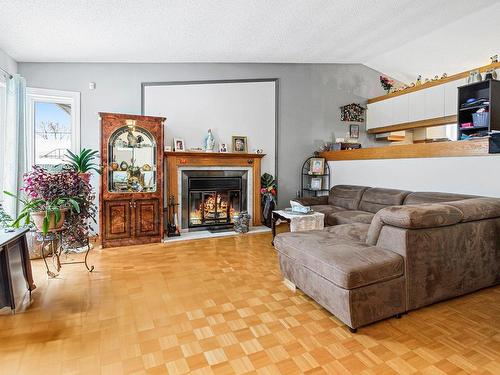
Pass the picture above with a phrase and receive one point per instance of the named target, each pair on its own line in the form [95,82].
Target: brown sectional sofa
[384,252]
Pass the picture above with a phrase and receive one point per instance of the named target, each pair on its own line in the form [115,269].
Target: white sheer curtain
[15,157]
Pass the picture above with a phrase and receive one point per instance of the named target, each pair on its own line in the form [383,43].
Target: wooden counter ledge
[476,147]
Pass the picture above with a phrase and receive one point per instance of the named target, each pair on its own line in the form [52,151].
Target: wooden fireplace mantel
[174,160]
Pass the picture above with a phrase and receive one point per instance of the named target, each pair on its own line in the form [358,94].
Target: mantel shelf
[214,155]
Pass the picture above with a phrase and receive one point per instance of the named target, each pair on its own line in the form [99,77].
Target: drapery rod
[6,72]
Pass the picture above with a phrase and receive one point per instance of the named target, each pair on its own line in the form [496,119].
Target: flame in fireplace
[215,207]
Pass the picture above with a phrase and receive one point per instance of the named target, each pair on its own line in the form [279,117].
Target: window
[3,110]
[54,125]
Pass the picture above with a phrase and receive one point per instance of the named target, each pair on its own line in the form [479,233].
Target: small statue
[209,142]
[419,80]
[131,138]
[444,76]
[436,77]
[494,59]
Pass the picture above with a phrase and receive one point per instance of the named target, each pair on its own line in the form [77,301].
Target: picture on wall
[240,143]
[354,131]
[317,166]
[179,144]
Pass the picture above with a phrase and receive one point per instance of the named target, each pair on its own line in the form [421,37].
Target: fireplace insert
[213,198]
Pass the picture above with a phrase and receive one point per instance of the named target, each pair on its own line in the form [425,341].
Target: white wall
[477,175]
[228,109]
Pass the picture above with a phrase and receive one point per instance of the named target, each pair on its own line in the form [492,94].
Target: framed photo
[354,131]
[240,143]
[316,183]
[317,166]
[179,145]
[223,147]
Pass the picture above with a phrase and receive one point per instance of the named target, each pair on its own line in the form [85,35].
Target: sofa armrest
[413,217]
[312,201]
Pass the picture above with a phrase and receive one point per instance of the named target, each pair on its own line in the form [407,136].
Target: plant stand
[52,241]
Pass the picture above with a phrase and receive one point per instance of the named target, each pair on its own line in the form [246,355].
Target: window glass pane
[52,123]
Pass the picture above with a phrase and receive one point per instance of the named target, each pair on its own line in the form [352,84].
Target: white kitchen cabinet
[378,114]
[416,105]
[434,102]
[451,96]
[400,109]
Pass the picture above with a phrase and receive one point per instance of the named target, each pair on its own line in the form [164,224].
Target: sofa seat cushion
[326,209]
[337,258]
[348,217]
[374,199]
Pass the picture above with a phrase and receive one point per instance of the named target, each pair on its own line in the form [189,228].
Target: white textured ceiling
[385,34]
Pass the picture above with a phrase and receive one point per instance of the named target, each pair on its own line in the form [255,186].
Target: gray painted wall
[309,98]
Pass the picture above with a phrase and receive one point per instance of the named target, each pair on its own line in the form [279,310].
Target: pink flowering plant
[51,193]
[386,83]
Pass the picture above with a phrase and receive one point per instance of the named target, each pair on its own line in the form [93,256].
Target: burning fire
[214,207]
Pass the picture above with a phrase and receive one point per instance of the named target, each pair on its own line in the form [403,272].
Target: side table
[298,222]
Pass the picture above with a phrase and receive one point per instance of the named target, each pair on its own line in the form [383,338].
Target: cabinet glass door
[132,160]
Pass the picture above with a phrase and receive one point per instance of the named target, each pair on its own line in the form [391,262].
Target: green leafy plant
[268,192]
[83,162]
[52,208]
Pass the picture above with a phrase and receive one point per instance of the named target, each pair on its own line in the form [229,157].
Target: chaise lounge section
[417,249]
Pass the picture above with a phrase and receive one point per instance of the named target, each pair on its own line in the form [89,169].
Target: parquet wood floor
[218,306]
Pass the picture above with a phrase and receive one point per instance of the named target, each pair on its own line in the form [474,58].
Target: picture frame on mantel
[240,143]
[179,145]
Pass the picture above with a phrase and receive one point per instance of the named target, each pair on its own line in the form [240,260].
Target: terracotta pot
[38,217]
[85,176]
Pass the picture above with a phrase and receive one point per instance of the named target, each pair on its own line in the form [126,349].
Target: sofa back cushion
[478,208]
[346,196]
[374,199]
[419,197]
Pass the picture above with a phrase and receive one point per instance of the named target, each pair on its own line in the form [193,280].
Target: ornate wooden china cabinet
[131,194]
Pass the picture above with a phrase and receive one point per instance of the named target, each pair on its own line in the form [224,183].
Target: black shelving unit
[305,185]
[488,90]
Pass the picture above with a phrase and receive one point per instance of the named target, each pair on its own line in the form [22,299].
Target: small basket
[480,119]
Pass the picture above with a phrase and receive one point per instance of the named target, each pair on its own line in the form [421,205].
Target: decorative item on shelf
[179,144]
[317,166]
[146,168]
[490,74]
[268,192]
[172,227]
[418,82]
[258,151]
[168,148]
[223,147]
[327,146]
[114,165]
[474,76]
[131,138]
[242,222]
[444,75]
[123,166]
[316,183]
[196,149]
[354,131]
[239,143]
[352,112]
[386,83]
[494,59]
[209,142]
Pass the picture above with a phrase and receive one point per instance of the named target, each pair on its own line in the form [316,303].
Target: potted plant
[83,162]
[48,198]
[268,192]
